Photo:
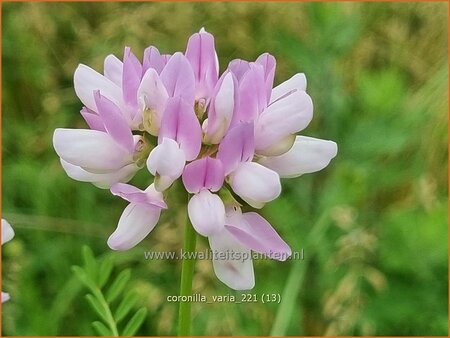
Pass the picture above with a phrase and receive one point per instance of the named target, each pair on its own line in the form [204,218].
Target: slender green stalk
[110,319]
[187,274]
[295,279]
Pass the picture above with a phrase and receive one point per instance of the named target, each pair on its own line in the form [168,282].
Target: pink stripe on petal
[239,68]
[180,123]
[257,233]
[206,173]
[93,120]
[178,78]
[252,96]
[114,122]
[153,59]
[202,55]
[132,73]
[135,195]
[237,146]
[268,62]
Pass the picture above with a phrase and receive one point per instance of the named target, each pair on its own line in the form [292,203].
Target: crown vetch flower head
[229,138]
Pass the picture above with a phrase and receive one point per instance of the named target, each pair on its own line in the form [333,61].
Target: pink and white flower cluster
[229,138]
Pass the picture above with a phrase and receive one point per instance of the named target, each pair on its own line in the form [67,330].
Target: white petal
[285,116]
[280,147]
[152,97]
[7,231]
[135,224]
[86,80]
[232,262]
[5,297]
[113,69]
[255,183]
[166,163]
[219,118]
[90,149]
[103,181]
[307,155]
[297,82]
[206,212]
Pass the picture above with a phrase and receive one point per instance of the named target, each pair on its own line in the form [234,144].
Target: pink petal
[202,55]
[132,73]
[93,120]
[239,68]
[234,271]
[153,59]
[237,146]
[307,155]
[253,231]
[255,183]
[114,122]
[180,123]
[287,115]
[113,69]
[135,195]
[268,62]
[136,222]
[178,78]
[205,173]
[252,96]
[206,213]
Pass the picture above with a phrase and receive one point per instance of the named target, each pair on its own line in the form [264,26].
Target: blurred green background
[373,225]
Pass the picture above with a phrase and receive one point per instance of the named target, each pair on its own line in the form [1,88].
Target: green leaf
[135,322]
[125,306]
[101,329]
[90,263]
[118,285]
[105,271]
[84,278]
[97,306]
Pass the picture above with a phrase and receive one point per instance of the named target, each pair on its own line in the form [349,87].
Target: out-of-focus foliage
[378,76]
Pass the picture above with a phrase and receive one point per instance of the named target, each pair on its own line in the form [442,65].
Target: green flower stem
[110,319]
[187,274]
[295,279]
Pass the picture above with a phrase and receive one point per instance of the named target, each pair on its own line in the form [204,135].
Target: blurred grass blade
[101,329]
[135,322]
[295,279]
[118,285]
[125,306]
